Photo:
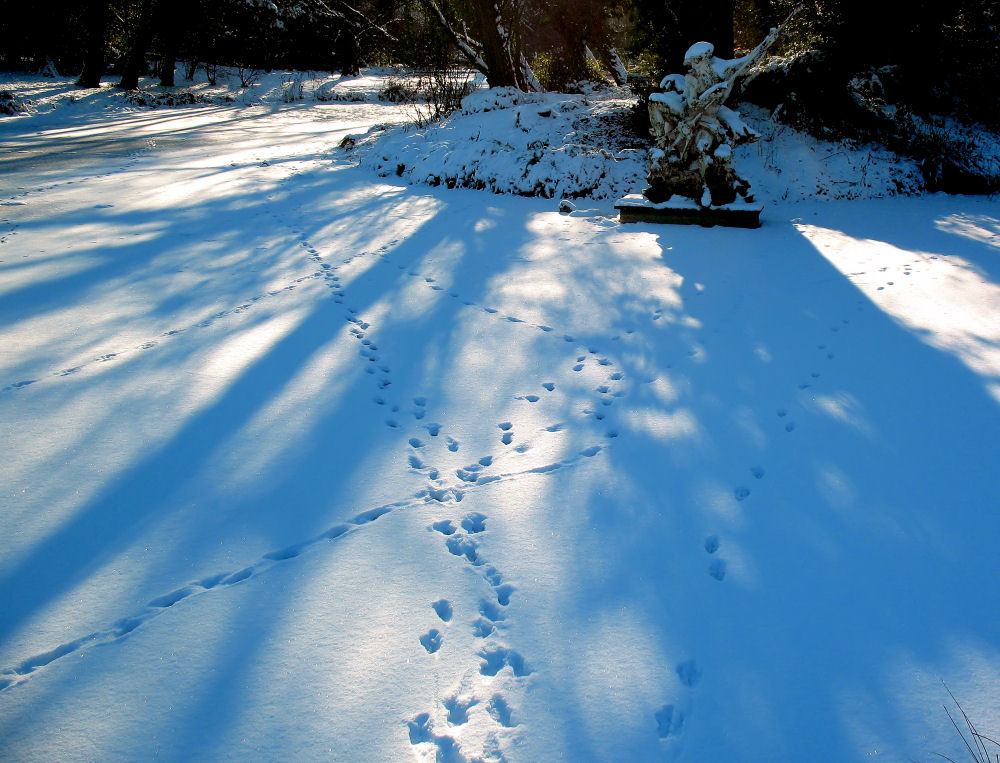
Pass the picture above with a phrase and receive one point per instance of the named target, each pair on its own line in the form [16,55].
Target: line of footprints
[495,658]
[460,540]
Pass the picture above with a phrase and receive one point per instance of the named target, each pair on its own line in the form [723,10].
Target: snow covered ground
[303,463]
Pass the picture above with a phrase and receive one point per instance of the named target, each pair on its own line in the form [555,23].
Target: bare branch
[462,41]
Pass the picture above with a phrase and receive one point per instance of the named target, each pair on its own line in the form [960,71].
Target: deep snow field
[305,463]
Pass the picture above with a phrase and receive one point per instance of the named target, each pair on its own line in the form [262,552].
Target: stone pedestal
[636,208]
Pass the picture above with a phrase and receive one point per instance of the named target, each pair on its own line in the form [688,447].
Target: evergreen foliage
[845,65]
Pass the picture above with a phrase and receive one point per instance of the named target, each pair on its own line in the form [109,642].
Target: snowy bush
[152,99]
[291,91]
[397,91]
[10,104]
[507,141]
[328,93]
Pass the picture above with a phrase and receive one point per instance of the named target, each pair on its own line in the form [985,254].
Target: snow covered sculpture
[695,132]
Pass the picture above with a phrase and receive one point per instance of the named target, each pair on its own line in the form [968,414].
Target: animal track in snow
[445,527]
[504,592]
[482,628]
[421,733]
[125,626]
[717,569]
[669,721]
[474,522]
[497,658]
[688,672]
[443,609]
[431,641]
[491,611]
[500,711]
[152,344]
[461,545]
[458,709]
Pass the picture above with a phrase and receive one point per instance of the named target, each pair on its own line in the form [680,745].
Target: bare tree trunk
[496,52]
[167,66]
[348,52]
[496,43]
[608,57]
[96,21]
[170,17]
[136,56]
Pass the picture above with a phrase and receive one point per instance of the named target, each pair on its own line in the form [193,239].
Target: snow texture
[301,463]
[506,141]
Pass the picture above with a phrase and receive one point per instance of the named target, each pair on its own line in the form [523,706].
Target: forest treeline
[929,56]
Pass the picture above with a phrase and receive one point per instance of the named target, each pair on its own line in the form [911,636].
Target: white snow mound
[507,141]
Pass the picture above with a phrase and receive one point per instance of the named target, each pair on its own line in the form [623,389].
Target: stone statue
[695,133]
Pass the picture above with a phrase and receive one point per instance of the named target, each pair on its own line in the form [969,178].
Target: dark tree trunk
[498,53]
[169,19]
[95,21]
[719,31]
[136,57]
[167,66]
[348,52]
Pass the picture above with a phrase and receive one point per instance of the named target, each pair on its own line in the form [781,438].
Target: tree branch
[462,42]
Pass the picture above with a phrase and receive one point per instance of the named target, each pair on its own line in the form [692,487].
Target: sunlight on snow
[835,486]
[747,420]
[233,356]
[842,407]
[283,423]
[665,390]
[982,228]
[619,664]
[662,425]
[17,277]
[913,696]
[953,309]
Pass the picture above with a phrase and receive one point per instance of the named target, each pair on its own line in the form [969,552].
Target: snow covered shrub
[954,158]
[328,93]
[249,76]
[152,99]
[397,91]
[325,91]
[507,141]
[291,90]
[443,92]
[10,104]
